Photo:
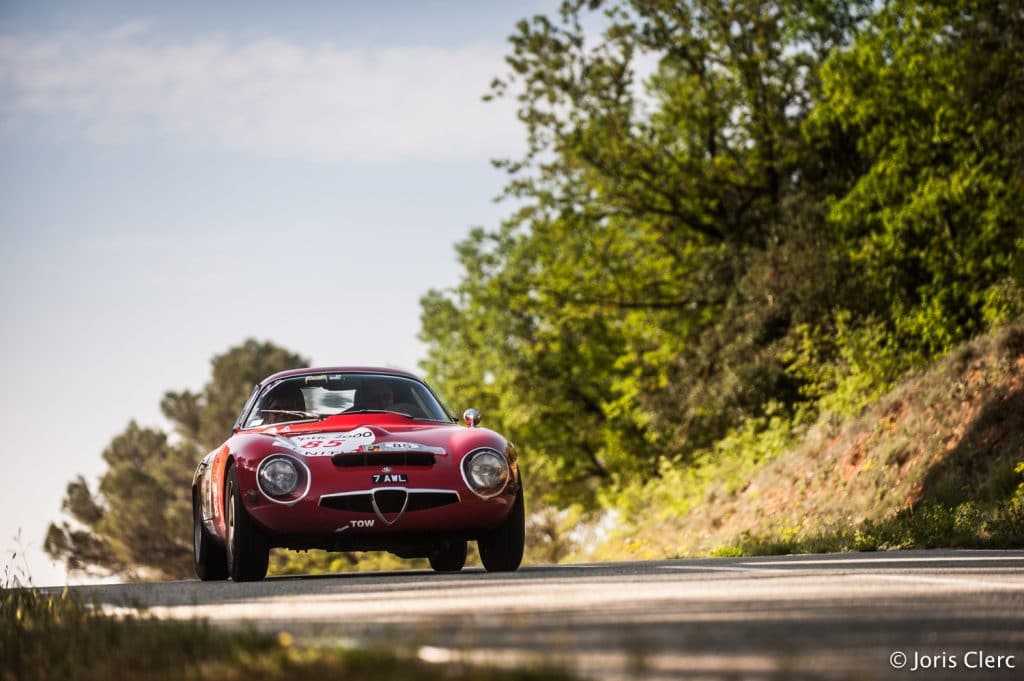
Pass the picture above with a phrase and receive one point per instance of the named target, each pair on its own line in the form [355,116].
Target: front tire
[211,561]
[449,557]
[501,549]
[248,553]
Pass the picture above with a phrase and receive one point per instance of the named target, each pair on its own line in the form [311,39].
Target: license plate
[387,478]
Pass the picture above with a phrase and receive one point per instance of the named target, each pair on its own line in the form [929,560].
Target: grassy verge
[44,637]
[937,461]
[930,524]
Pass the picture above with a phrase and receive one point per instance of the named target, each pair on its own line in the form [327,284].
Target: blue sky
[178,177]
[350,22]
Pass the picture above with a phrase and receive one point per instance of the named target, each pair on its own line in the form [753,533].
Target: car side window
[248,405]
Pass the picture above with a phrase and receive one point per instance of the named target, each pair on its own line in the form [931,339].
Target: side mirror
[471,417]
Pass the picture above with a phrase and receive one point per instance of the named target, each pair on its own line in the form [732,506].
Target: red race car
[355,459]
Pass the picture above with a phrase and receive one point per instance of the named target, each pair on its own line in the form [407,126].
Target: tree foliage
[139,521]
[932,95]
[728,209]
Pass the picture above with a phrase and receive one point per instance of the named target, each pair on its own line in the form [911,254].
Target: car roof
[338,370]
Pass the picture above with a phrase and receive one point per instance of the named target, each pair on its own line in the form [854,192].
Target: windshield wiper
[376,411]
[391,411]
[295,412]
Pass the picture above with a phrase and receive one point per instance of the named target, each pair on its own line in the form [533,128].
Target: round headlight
[279,477]
[486,472]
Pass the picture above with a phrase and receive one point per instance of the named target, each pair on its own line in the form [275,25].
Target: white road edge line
[724,568]
[605,664]
[971,583]
[572,567]
[922,579]
[869,561]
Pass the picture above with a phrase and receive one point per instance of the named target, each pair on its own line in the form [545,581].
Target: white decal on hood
[402,446]
[329,444]
[284,443]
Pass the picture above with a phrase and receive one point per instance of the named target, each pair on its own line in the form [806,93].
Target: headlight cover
[486,472]
[278,476]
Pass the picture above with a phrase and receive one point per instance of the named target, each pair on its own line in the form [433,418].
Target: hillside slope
[935,462]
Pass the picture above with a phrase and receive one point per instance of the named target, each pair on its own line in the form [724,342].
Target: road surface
[905,615]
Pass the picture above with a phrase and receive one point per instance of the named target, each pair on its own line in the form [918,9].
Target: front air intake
[390,500]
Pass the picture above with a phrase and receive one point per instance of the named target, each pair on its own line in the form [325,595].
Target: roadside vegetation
[760,288]
[936,462]
[50,638]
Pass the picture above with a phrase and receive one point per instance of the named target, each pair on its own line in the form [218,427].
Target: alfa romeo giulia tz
[355,459]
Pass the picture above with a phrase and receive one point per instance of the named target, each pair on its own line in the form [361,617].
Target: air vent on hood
[384,459]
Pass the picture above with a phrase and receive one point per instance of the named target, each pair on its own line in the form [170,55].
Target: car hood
[335,436]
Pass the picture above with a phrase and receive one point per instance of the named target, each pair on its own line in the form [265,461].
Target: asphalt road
[849,616]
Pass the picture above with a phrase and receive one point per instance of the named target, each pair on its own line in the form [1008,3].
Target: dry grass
[933,463]
[44,638]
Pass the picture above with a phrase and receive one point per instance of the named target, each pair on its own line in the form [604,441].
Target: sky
[178,177]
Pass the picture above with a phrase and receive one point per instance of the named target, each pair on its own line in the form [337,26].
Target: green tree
[641,299]
[920,118]
[139,522]
[798,203]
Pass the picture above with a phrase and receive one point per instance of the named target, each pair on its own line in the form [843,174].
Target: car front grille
[390,500]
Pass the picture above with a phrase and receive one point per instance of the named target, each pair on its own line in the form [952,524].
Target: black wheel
[211,560]
[449,557]
[247,551]
[501,549]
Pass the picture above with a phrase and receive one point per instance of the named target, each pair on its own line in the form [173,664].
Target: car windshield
[318,396]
